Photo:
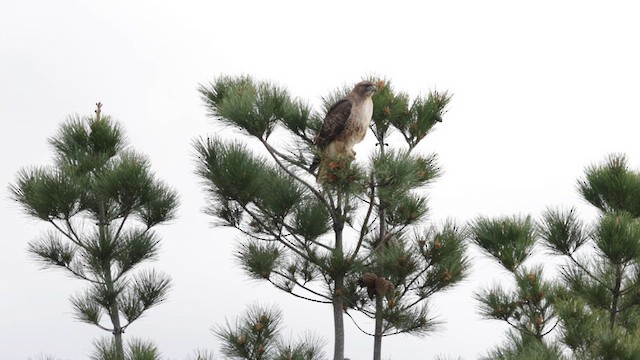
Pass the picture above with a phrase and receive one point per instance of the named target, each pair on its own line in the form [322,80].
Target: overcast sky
[540,92]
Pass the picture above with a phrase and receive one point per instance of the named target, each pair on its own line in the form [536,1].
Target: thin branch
[124,218]
[297,295]
[365,227]
[285,243]
[317,193]
[358,326]
[583,268]
[72,232]
[66,234]
[255,237]
[83,277]
[303,286]
[552,328]
[103,328]
[415,278]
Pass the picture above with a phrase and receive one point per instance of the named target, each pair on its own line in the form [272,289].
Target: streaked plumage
[346,123]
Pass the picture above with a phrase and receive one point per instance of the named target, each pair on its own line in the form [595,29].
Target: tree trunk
[377,337]
[382,239]
[338,324]
[114,313]
[613,312]
[338,303]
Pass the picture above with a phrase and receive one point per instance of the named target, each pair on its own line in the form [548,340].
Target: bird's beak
[373,88]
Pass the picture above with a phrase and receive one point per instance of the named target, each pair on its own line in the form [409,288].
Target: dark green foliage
[588,334]
[425,114]
[618,237]
[589,283]
[231,169]
[47,194]
[137,245]
[595,300]
[137,349]
[562,231]
[414,120]
[297,120]
[507,240]
[84,146]
[340,175]
[308,347]
[256,336]
[611,186]
[52,250]
[389,108]
[443,255]
[529,309]
[398,172]
[98,185]
[259,259]
[434,261]
[525,348]
[310,219]
[254,107]
[276,201]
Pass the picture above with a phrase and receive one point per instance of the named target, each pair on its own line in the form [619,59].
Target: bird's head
[365,88]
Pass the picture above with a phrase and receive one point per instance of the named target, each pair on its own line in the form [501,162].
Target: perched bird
[345,124]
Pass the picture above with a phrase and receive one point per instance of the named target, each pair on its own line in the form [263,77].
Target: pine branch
[82,276]
[263,225]
[588,273]
[317,193]
[365,227]
[358,326]
[72,232]
[289,291]
[291,231]
[66,234]
[124,219]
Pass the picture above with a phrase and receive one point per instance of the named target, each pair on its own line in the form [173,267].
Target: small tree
[256,336]
[600,302]
[528,308]
[596,301]
[102,201]
[313,237]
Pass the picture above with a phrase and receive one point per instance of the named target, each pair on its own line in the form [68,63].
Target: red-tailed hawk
[346,123]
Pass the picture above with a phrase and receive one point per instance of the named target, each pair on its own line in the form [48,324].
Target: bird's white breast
[363,119]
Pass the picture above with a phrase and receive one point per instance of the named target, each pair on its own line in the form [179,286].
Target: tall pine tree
[599,300]
[326,238]
[102,200]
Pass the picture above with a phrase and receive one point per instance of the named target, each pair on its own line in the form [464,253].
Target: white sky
[540,91]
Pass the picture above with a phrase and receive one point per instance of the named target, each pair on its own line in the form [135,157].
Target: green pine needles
[102,201]
[593,304]
[256,336]
[323,237]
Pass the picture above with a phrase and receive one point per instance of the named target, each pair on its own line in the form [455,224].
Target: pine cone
[368,280]
[383,286]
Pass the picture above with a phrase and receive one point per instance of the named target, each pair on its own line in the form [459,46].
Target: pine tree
[594,305]
[256,336]
[599,302]
[528,308]
[102,200]
[313,237]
